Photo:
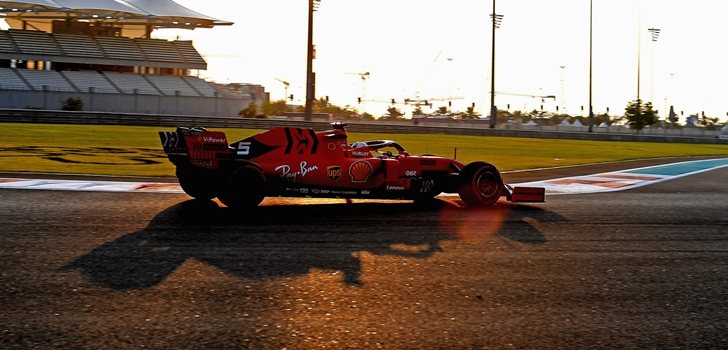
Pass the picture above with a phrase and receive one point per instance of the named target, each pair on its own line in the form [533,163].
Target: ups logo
[333,172]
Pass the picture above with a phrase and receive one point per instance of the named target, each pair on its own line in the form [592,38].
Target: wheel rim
[486,185]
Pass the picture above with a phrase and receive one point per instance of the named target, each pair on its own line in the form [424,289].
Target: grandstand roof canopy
[155,13]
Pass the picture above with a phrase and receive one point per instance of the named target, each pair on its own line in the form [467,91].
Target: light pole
[668,99]
[310,75]
[639,47]
[496,24]
[563,99]
[591,109]
[655,32]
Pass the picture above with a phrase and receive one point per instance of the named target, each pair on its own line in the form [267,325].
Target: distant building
[692,121]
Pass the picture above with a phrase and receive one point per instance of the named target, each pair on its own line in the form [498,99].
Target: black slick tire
[197,183]
[481,185]
[244,189]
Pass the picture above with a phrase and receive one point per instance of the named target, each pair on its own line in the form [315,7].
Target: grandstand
[85,80]
[40,80]
[107,57]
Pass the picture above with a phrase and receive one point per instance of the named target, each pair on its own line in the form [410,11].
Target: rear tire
[197,183]
[244,189]
[481,185]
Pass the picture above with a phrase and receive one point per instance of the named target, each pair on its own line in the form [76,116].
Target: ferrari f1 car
[299,162]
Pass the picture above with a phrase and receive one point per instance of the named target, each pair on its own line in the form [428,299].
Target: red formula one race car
[297,162]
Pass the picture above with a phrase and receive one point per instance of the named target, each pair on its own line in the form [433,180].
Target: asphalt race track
[645,268]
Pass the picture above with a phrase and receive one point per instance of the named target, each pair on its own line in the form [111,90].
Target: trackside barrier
[105,118]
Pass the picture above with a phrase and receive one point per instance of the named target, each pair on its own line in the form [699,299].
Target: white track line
[99,186]
[627,179]
[603,182]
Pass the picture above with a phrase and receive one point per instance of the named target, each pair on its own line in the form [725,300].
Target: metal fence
[139,103]
[400,127]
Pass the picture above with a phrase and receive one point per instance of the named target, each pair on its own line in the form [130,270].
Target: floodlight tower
[563,99]
[639,56]
[591,107]
[310,75]
[497,19]
[655,32]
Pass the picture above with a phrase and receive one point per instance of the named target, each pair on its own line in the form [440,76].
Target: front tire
[244,189]
[481,185]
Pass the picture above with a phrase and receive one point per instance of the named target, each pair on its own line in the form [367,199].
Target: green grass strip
[136,150]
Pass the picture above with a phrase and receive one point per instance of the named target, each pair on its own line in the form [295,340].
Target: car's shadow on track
[290,240]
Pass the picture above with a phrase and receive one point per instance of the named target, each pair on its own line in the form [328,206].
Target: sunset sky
[431,49]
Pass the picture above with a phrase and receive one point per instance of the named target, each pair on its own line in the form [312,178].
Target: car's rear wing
[200,147]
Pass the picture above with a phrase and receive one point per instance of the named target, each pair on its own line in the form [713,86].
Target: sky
[442,51]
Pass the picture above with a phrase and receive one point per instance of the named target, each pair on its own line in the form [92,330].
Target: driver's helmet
[359,144]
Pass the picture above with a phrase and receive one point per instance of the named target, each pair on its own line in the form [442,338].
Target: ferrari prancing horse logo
[333,172]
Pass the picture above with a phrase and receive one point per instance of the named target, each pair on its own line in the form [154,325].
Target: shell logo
[360,171]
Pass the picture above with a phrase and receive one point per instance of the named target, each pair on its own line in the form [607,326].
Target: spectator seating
[85,80]
[53,80]
[30,42]
[201,86]
[33,42]
[159,50]
[120,48]
[170,84]
[104,82]
[129,82]
[189,53]
[9,79]
[78,45]
[105,50]
[6,43]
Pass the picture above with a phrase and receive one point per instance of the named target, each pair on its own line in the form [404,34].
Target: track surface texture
[640,269]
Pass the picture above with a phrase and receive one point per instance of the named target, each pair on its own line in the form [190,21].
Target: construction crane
[285,88]
[364,76]
[390,101]
[542,97]
[428,101]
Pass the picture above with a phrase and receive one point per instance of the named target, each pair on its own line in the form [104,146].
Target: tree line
[637,115]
